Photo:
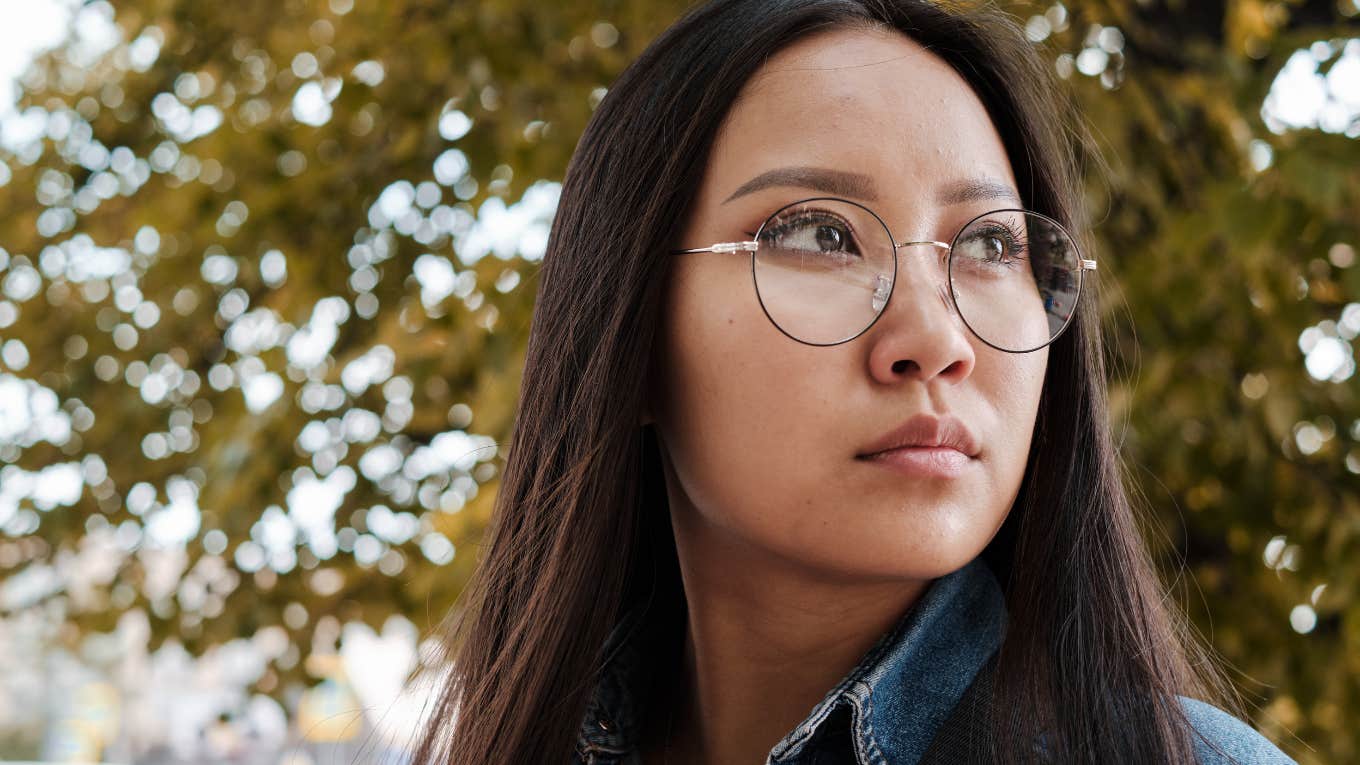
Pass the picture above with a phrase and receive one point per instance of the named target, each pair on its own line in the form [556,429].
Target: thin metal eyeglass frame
[1083,265]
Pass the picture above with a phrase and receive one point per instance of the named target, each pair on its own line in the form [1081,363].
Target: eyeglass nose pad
[882,287]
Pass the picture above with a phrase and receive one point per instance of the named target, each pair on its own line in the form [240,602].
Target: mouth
[921,461]
[926,446]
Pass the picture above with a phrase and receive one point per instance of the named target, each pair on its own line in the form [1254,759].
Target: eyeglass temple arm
[724,247]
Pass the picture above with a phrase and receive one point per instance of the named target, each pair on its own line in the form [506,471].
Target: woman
[812,462]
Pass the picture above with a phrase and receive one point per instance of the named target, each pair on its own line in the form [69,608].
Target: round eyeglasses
[824,269]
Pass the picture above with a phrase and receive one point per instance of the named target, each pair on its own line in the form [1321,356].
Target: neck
[766,639]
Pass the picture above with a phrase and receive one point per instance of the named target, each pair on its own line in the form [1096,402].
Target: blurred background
[266,273]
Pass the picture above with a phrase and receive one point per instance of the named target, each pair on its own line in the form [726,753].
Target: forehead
[864,100]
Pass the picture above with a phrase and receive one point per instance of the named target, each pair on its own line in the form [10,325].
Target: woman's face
[762,436]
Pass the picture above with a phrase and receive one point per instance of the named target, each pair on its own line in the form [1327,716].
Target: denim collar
[897,695]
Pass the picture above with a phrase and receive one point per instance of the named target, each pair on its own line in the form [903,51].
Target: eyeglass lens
[824,270]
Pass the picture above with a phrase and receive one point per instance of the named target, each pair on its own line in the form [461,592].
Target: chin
[925,545]
[884,560]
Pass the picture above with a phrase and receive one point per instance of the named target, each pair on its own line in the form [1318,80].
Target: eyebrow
[975,189]
[847,184]
[823,179]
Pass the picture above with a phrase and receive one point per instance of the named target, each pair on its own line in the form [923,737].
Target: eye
[829,238]
[993,244]
[811,231]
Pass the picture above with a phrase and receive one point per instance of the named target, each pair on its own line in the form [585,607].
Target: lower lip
[923,461]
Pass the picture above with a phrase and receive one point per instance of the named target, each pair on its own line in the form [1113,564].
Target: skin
[795,555]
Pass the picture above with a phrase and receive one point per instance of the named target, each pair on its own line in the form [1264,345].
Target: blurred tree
[1231,245]
[267,276]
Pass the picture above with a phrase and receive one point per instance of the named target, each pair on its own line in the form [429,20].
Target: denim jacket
[887,709]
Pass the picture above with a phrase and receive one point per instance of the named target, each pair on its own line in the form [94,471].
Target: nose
[920,334]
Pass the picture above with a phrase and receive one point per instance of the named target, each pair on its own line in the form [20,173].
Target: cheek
[1015,396]
[739,401]
[1013,388]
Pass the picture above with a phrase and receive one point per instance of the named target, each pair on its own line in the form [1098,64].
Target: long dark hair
[581,524]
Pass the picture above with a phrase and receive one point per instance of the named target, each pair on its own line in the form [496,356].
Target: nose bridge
[941,250]
[942,246]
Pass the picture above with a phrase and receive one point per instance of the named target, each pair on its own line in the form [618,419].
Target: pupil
[995,246]
[828,238]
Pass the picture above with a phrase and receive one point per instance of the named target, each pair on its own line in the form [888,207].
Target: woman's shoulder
[1224,739]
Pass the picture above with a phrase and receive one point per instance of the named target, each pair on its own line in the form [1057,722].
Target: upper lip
[927,430]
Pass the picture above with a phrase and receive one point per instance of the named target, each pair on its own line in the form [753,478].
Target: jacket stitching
[869,740]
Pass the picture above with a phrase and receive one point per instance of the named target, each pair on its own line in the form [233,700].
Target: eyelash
[807,216]
[1017,242]
[812,215]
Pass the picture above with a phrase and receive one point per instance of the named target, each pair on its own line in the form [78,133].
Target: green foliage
[1210,271]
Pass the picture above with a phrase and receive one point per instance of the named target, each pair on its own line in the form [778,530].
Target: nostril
[902,365]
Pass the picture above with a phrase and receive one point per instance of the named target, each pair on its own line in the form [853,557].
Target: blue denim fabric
[886,710]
